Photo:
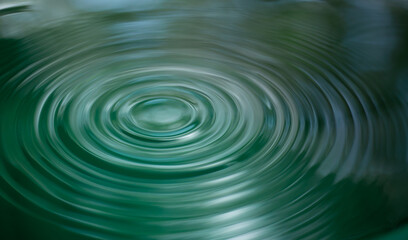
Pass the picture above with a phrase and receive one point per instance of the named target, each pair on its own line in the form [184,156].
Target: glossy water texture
[218,120]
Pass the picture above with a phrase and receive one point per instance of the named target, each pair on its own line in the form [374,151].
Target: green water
[212,120]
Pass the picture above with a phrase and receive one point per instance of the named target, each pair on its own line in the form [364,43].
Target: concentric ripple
[158,128]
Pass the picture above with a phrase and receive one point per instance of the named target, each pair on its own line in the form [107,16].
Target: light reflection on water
[211,120]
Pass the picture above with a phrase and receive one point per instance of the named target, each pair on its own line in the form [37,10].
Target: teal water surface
[213,120]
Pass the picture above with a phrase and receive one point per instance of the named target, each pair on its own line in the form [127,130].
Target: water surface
[211,120]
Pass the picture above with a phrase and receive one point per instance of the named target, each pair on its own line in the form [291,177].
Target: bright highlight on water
[215,120]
